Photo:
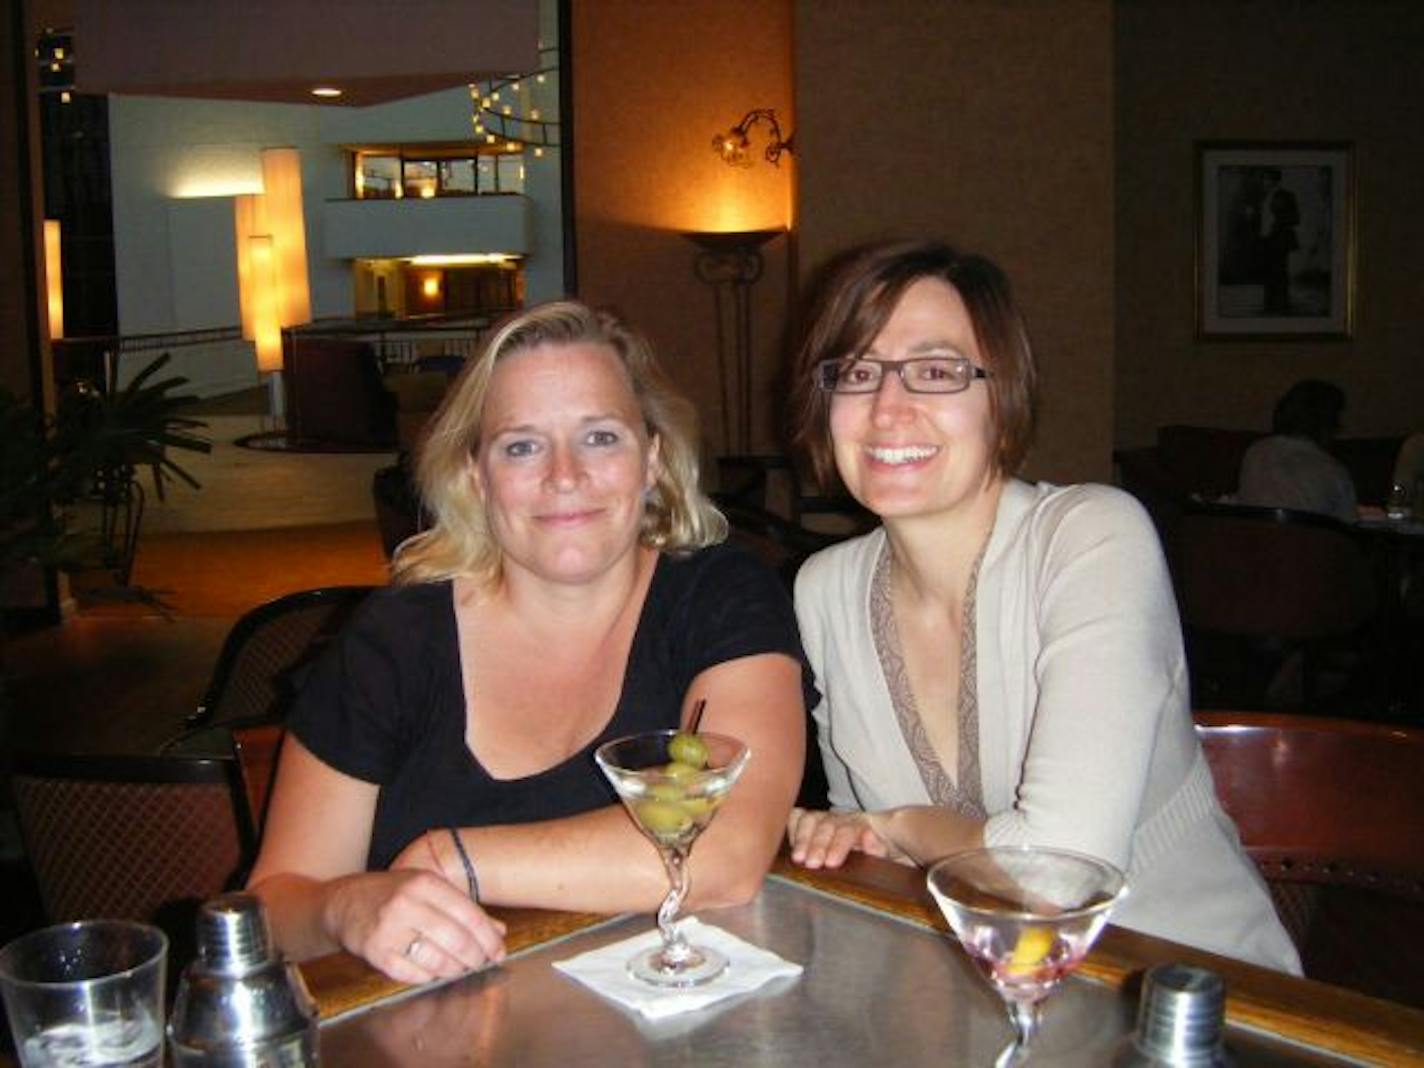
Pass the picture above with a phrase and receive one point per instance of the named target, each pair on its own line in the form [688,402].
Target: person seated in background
[1409,477]
[1293,467]
[1409,470]
[571,590]
[1001,663]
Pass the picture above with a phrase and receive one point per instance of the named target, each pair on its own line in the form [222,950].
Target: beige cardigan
[1085,732]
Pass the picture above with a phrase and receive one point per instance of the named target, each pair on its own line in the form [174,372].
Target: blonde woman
[571,590]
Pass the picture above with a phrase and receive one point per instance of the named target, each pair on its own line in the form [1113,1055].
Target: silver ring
[414,947]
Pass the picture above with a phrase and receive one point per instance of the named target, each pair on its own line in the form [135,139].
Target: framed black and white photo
[1275,239]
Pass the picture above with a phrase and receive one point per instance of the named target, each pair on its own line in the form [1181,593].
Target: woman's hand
[413,925]
[825,839]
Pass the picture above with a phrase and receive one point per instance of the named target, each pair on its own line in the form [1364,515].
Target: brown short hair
[676,514]
[855,299]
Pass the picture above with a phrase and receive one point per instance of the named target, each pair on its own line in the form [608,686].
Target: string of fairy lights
[505,112]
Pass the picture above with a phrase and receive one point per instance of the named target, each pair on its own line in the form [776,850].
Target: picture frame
[1275,239]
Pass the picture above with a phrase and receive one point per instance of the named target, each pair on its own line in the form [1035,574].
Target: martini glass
[672,802]
[1027,917]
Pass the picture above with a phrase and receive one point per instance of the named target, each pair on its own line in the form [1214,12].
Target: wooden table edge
[341,983]
[1329,1018]
[1317,1015]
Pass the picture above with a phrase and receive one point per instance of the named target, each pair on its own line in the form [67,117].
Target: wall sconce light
[732,145]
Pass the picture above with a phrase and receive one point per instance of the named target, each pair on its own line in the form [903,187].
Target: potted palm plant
[69,498]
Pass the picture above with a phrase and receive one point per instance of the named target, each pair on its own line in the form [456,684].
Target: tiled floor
[246,489]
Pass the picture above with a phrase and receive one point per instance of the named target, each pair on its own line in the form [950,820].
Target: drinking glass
[1397,505]
[88,993]
[672,796]
[1027,917]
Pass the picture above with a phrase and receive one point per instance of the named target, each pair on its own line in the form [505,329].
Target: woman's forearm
[599,862]
[297,908]
[927,833]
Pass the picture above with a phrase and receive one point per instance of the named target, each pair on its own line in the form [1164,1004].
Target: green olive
[662,817]
[680,771]
[667,791]
[698,806]
[685,748]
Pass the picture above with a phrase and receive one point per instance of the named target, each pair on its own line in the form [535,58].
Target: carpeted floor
[224,573]
[120,673]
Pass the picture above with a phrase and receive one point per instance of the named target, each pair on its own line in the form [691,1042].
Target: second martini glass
[672,799]
[1027,917]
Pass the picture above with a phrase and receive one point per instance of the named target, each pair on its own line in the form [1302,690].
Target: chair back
[256,748]
[779,543]
[1332,812]
[1322,800]
[335,394]
[133,837]
[253,681]
[1269,572]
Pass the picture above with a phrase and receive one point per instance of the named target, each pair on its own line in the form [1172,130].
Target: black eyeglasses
[922,374]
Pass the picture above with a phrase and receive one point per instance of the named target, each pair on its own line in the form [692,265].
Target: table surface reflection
[877,989]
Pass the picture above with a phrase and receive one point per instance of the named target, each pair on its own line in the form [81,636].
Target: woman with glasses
[1000,662]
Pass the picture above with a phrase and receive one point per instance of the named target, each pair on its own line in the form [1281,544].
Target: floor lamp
[730,263]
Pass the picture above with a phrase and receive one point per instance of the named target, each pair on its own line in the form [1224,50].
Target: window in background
[377,177]
[510,168]
[457,177]
[420,178]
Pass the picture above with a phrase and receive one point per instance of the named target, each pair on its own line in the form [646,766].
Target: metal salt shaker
[1180,1020]
[239,1005]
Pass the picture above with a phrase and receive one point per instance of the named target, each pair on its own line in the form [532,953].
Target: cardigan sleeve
[1108,667]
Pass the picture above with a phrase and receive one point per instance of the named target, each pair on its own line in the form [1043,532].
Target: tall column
[24,356]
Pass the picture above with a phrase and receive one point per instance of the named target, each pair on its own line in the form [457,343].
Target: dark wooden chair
[1332,812]
[257,748]
[1256,586]
[335,392]
[254,679]
[133,837]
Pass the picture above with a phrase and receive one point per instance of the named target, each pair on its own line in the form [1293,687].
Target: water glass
[87,993]
[1396,506]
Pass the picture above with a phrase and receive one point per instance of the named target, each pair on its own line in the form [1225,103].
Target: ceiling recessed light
[328,91]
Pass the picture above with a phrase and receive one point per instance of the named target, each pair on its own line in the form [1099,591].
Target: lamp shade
[282,191]
[249,213]
[54,278]
[266,327]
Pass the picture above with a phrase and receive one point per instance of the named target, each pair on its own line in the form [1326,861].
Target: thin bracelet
[470,876]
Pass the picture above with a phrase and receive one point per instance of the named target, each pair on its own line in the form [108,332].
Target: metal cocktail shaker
[239,1005]
[1180,1021]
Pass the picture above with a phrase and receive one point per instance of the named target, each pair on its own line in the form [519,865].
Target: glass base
[692,968]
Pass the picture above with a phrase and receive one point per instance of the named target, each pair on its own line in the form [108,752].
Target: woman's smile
[901,455]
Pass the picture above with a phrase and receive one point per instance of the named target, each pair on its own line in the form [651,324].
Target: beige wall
[988,124]
[1268,70]
[652,83]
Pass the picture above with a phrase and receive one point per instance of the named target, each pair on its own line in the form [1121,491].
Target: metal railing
[99,359]
[402,343]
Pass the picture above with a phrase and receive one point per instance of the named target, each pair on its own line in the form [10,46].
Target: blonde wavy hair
[677,516]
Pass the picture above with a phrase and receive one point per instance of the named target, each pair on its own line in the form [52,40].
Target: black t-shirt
[386,704]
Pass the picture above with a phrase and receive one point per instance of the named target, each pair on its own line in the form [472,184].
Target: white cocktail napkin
[605,970]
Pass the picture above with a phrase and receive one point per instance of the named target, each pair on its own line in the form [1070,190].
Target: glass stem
[675,947]
[1024,1016]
